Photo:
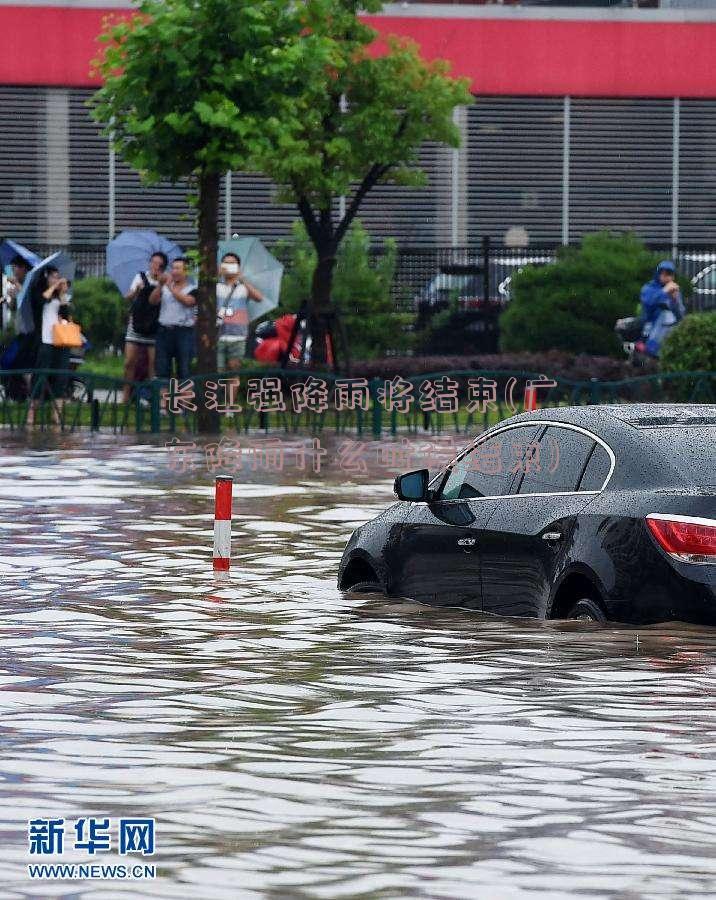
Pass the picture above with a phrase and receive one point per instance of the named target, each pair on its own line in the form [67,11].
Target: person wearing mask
[176,294]
[141,334]
[662,306]
[232,293]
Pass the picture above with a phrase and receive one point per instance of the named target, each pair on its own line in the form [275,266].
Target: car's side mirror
[412,486]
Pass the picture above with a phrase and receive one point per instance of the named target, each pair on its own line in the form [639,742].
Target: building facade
[583,118]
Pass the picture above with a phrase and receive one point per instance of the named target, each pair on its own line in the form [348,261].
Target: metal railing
[474,272]
[290,402]
[486,270]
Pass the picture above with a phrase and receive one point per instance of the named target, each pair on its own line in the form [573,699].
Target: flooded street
[291,741]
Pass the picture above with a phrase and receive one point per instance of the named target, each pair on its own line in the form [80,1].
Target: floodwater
[291,741]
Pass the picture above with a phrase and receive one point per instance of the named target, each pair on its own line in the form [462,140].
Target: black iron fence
[277,401]
[486,270]
[474,272]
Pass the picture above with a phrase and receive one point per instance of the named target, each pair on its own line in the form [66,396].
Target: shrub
[457,331]
[361,290]
[574,303]
[553,363]
[691,345]
[101,311]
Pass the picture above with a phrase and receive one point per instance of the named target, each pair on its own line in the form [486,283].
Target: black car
[599,512]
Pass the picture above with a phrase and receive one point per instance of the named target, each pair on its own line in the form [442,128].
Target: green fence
[274,400]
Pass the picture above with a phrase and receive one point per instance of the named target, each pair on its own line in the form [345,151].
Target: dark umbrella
[65,266]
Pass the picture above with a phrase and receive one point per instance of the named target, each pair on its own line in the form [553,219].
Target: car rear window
[560,463]
[597,469]
[692,450]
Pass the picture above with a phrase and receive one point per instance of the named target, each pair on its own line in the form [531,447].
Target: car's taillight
[686,538]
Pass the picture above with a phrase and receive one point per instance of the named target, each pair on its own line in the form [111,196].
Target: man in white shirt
[177,317]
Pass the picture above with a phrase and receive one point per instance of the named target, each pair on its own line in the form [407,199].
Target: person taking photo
[232,293]
[143,322]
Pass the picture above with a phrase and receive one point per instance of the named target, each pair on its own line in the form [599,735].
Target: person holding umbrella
[18,259]
[143,321]
[41,305]
[232,294]
[20,270]
[49,300]
[137,260]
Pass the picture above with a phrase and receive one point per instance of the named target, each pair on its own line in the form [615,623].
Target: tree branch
[307,214]
[376,172]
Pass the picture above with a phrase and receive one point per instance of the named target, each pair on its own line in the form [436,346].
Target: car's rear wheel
[365,587]
[586,610]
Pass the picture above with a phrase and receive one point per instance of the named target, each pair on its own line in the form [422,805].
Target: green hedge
[691,345]
[573,304]
[101,311]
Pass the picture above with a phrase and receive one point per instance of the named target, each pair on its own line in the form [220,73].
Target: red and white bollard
[530,398]
[222,522]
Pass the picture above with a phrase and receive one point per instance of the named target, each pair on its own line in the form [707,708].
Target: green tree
[361,289]
[193,89]
[573,303]
[363,119]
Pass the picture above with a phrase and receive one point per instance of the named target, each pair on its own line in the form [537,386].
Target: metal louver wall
[22,182]
[254,210]
[506,181]
[697,168]
[162,207]
[514,168]
[621,167]
[89,174]
[419,217]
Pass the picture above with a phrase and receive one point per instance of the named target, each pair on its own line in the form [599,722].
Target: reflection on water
[291,741]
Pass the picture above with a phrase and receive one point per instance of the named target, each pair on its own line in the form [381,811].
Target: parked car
[704,289]
[600,512]
[504,288]
[469,289]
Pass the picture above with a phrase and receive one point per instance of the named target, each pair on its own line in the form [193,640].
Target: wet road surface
[291,741]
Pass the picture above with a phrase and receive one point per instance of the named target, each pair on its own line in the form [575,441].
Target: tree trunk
[207,226]
[320,306]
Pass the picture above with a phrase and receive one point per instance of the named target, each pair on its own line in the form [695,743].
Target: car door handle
[466,542]
[552,536]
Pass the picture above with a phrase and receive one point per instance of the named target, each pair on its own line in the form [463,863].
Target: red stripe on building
[51,45]
[581,58]
[537,57]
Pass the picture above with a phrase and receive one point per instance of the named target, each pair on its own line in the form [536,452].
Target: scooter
[630,332]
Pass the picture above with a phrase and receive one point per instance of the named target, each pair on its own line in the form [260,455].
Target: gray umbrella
[261,269]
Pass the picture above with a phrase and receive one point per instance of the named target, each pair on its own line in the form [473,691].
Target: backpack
[145,315]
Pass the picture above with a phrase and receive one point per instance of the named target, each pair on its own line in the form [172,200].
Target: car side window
[558,462]
[489,468]
[597,470]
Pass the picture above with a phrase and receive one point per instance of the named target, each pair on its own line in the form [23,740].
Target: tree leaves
[191,86]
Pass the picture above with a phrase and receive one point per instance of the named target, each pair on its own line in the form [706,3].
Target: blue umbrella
[261,269]
[60,261]
[10,249]
[131,251]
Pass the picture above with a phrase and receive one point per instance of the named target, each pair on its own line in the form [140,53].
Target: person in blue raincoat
[662,306]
